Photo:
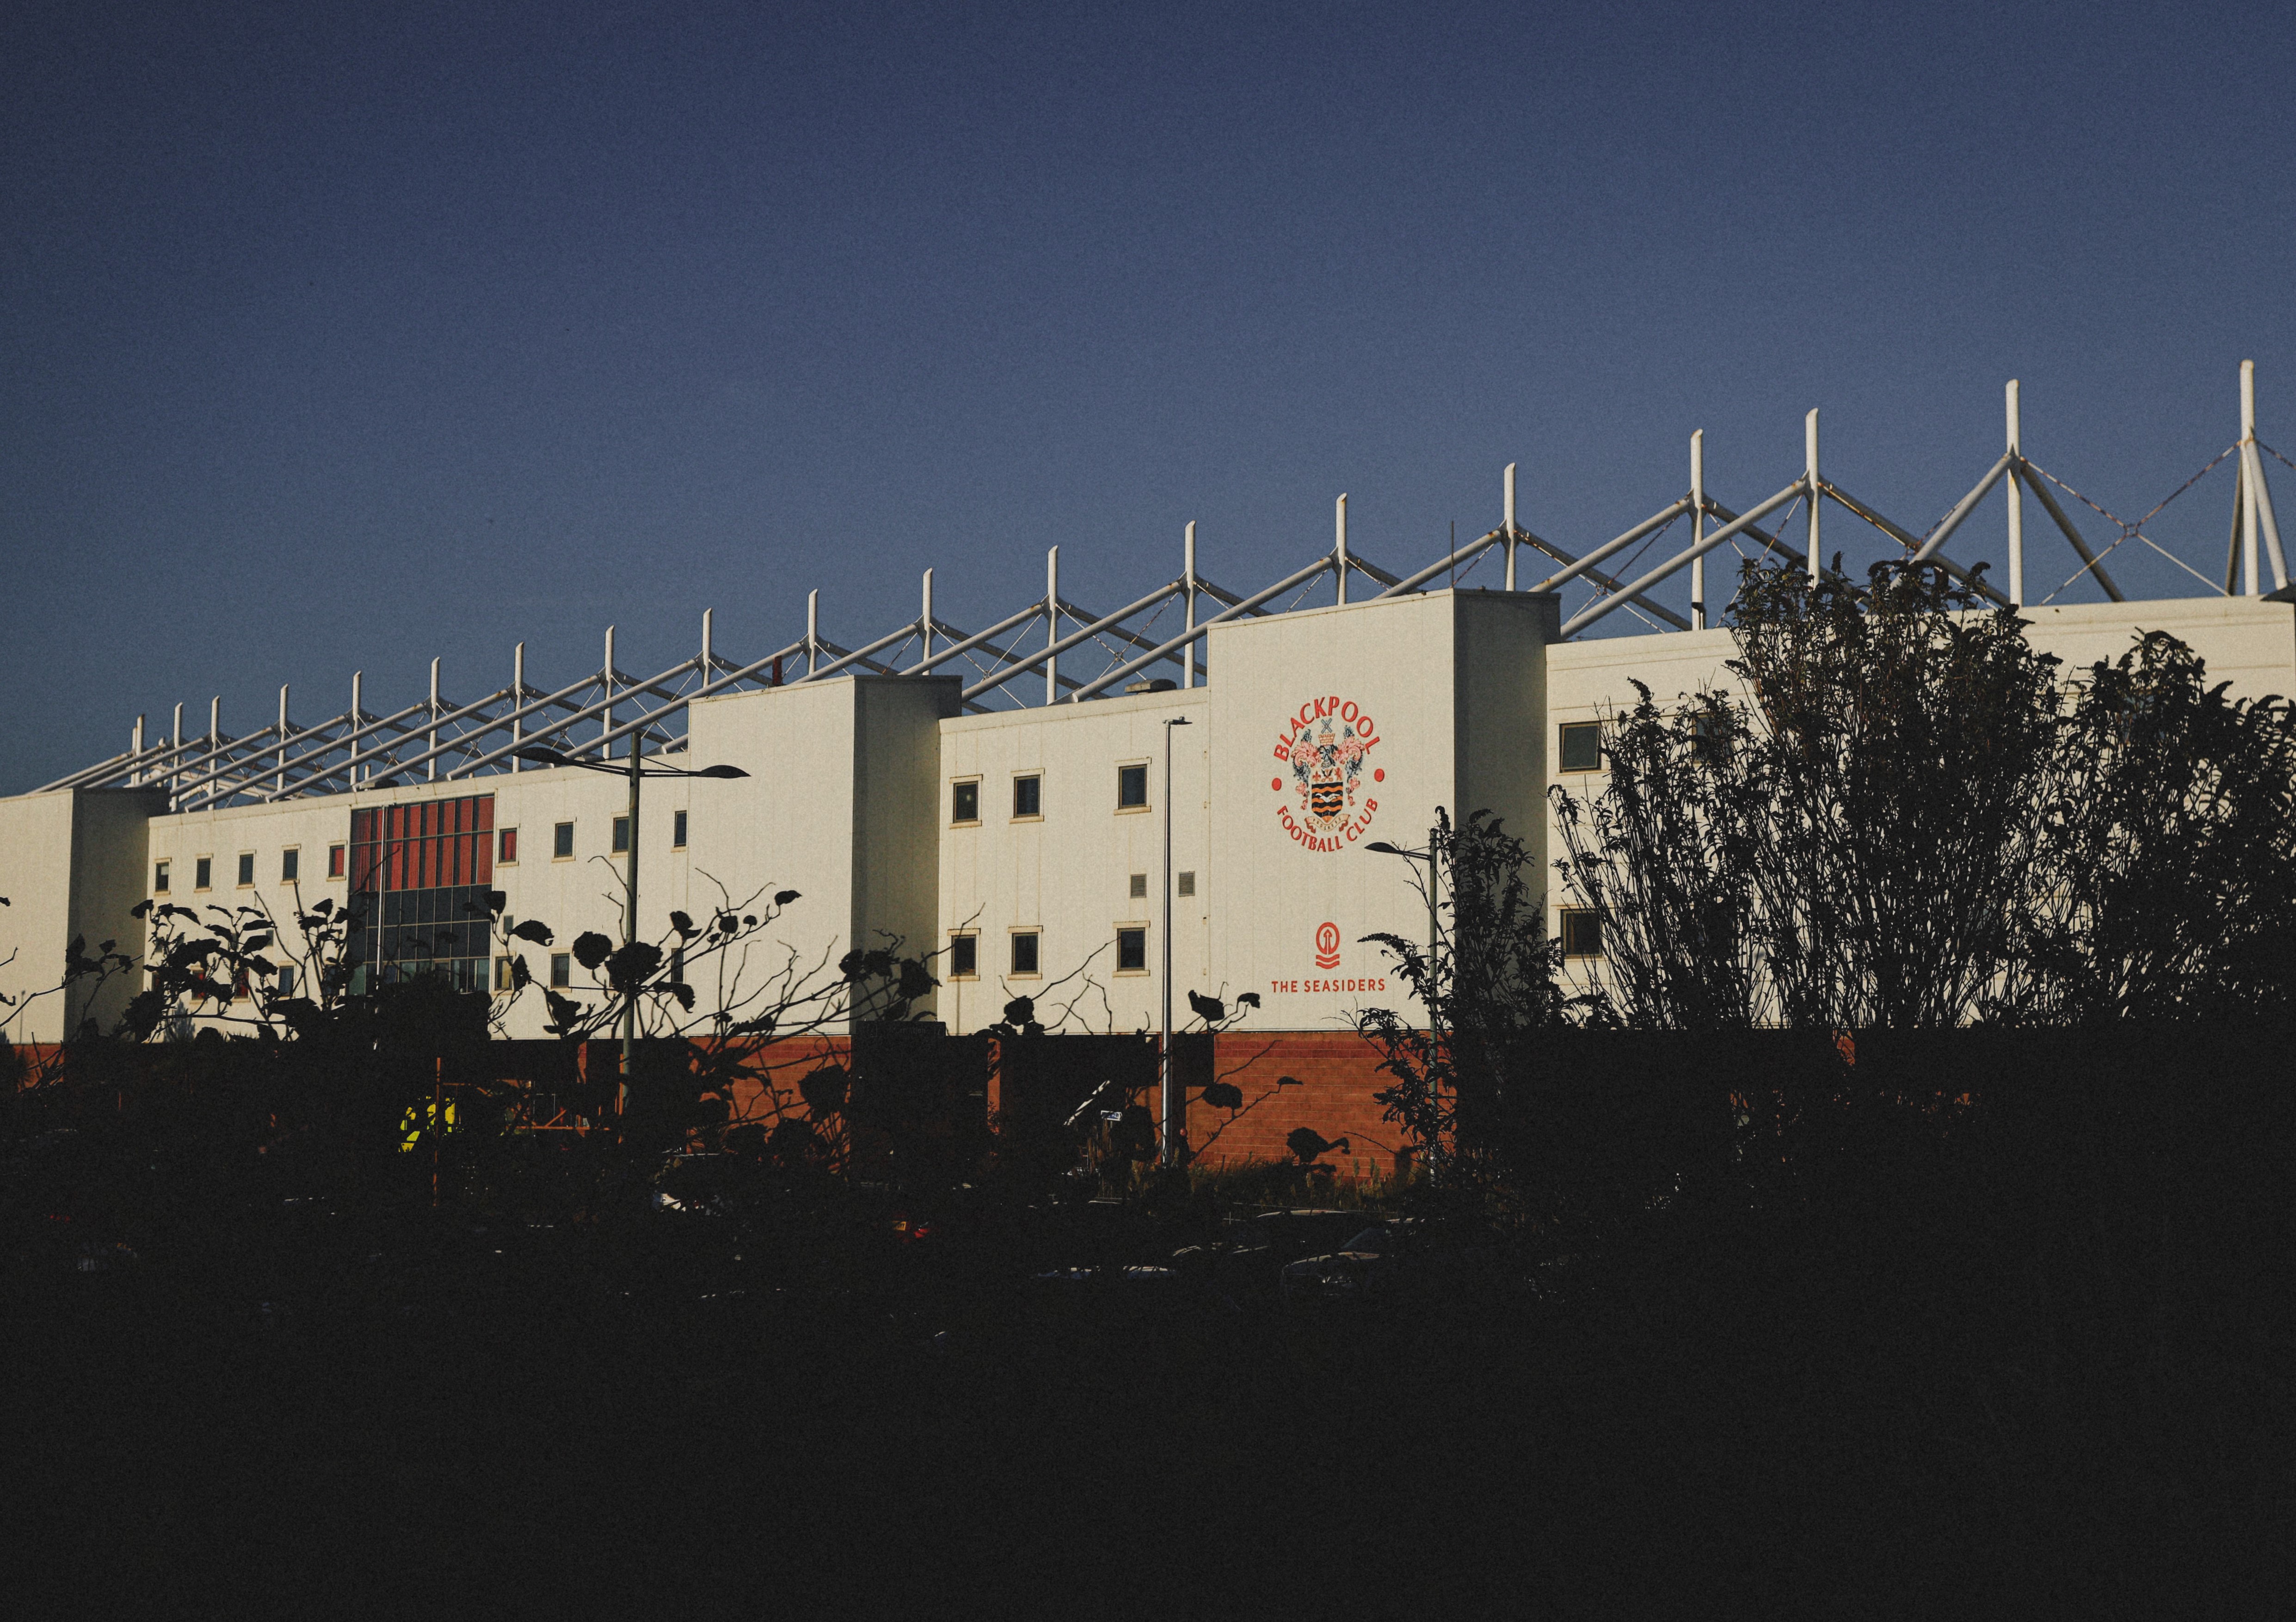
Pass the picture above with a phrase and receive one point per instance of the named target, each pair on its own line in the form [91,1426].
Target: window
[503,972]
[1187,884]
[290,866]
[964,802]
[1024,952]
[621,834]
[246,869]
[1028,796]
[1132,788]
[561,969]
[160,879]
[1132,951]
[1582,745]
[561,842]
[506,852]
[1582,933]
[1139,889]
[335,861]
[964,956]
[286,979]
[202,872]
[239,984]
[677,831]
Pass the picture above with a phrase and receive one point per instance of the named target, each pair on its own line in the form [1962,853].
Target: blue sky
[344,340]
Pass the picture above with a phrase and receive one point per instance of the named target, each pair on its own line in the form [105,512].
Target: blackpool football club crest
[1325,750]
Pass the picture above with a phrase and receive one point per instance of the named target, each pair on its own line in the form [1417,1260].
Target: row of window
[1026,947]
[291,860]
[1029,795]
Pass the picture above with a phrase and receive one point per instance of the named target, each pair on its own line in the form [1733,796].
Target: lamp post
[1175,1125]
[1428,985]
[635,769]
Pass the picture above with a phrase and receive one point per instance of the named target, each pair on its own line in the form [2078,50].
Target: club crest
[1326,748]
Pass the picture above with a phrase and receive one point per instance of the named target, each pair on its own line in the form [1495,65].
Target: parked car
[1363,1266]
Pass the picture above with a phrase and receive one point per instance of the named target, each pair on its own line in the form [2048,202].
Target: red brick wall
[1337,1074]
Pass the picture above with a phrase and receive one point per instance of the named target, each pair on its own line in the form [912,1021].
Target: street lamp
[1175,1125]
[541,756]
[1428,984]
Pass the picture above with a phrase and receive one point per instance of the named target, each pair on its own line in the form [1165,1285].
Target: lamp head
[720,772]
[1386,849]
[540,756]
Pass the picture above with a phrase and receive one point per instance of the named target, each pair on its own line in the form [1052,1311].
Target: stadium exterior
[1027,843]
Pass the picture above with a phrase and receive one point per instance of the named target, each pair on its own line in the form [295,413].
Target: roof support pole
[136,749]
[1188,585]
[177,754]
[812,631]
[215,721]
[2016,503]
[1810,455]
[2057,517]
[279,782]
[1340,545]
[1966,505]
[1510,526]
[924,621]
[2265,519]
[430,737]
[517,701]
[359,716]
[1697,529]
[709,663]
[1051,624]
[2248,525]
[1632,589]
[605,689]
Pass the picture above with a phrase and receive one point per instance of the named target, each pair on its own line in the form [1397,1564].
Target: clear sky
[336,338]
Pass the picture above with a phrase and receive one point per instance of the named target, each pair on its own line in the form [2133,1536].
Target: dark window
[419,875]
[964,956]
[1131,786]
[678,965]
[1582,745]
[677,831]
[1187,884]
[621,834]
[1131,949]
[964,802]
[335,861]
[159,879]
[1024,953]
[247,867]
[561,969]
[290,866]
[1582,933]
[509,852]
[503,974]
[1139,886]
[286,979]
[202,872]
[562,841]
[1028,796]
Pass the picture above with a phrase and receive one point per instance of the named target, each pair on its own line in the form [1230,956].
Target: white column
[1510,526]
[925,617]
[709,663]
[215,722]
[517,703]
[1052,623]
[605,684]
[1809,449]
[430,737]
[1340,543]
[1188,586]
[359,720]
[812,631]
[135,750]
[1698,530]
[2248,524]
[176,755]
[2016,503]
[278,782]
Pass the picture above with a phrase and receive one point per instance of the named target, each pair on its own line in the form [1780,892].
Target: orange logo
[1327,946]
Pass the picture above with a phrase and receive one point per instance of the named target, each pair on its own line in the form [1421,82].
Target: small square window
[1139,889]
[1131,951]
[1582,745]
[1131,788]
[503,974]
[1028,796]
[561,969]
[1582,933]
[286,979]
[203,873]
[290,866]
[335,854]
[561,842]
[1024,952]
[246,868]
[159,877]
[964,956]
[1187,884]
[964,802]
[621,834]
[506,848]
[677,831]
